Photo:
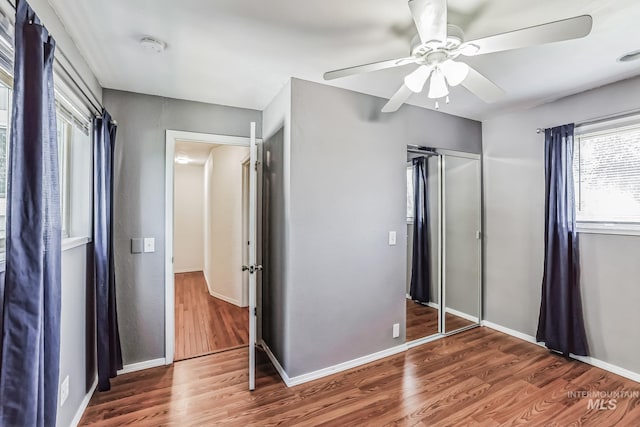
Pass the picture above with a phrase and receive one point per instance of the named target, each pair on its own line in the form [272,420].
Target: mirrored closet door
[462,245]
[423,240]
[443,243]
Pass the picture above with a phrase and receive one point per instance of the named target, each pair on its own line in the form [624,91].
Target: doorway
[206,290]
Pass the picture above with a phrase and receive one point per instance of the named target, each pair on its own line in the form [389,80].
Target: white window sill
[74,242]
[604,228]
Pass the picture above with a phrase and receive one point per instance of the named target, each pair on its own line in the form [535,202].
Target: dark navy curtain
[420,268]
[108,337]
[561,324]
[31,327]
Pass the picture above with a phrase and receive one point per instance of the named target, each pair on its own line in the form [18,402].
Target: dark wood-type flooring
[422,321]
[204,324]
[476,378]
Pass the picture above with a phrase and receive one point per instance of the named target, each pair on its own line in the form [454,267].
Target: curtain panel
[420,265]
[109,352]
[30,344]
[561,323]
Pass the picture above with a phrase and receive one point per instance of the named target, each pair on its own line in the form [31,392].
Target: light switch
[136,245]
[392,238]
[149,244]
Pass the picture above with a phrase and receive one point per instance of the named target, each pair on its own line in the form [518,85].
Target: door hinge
[256,166]
[255,311]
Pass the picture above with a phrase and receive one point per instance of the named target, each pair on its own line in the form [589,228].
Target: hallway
[205,324]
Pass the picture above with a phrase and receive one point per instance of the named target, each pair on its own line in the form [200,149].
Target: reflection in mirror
[462,225]
[423,259]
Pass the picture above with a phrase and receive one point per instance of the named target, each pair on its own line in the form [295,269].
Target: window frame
[409,177]
[604,227]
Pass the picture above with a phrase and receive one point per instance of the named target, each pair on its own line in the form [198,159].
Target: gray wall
[276,121]
[77,330]
[514,226]
[139,204]
[347,191]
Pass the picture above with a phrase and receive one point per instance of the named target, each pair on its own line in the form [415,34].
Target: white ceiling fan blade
[397,99]
[566,29]
[482,87]
[430,17]
[366,68]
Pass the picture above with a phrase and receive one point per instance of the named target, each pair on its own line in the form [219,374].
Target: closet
[444,246]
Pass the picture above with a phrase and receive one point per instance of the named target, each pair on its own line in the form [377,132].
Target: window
[74,155]
[410,194]
[606,169]
[75,163]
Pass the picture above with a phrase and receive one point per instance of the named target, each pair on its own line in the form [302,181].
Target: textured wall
[139,203]
[514,227]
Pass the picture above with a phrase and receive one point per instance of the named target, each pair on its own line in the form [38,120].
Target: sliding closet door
[462,247]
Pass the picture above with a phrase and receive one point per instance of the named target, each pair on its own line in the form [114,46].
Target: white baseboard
[187,270]
[84,404]
[634,376]
[276,364]
[465,316]
[225,298]
[220,296]
[300,379]
[133,367]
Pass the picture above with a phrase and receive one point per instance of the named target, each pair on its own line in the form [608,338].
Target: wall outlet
[64,390]
[392,238]
[396,330]
[149,244]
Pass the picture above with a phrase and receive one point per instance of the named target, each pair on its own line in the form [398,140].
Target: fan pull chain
[437,105]
[447,100]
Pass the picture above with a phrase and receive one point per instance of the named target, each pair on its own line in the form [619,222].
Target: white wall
[188,218]
[223,223]
[514,230]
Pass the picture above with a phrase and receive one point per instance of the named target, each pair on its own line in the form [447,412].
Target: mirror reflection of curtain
[420,268]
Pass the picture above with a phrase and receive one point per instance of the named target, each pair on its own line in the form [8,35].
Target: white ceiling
[241,52]
[196,152]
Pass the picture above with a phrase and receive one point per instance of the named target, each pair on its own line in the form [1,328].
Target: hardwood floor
[479,377]
[205,324]
[422,321]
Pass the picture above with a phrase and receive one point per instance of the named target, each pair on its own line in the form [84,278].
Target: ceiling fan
[437,47]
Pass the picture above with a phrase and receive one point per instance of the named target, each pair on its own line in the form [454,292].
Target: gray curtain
[31,328]
[420,264]
[108,336]
[561,323]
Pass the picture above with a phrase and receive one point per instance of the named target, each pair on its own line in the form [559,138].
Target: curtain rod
[601,119]
[94,103]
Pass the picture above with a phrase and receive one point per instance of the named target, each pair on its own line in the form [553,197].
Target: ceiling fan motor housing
[455,37]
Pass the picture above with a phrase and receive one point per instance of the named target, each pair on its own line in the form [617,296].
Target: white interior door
[252,268]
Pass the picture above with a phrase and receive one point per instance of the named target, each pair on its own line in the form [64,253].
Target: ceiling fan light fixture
[438,87]
[416,80]
[455,72]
